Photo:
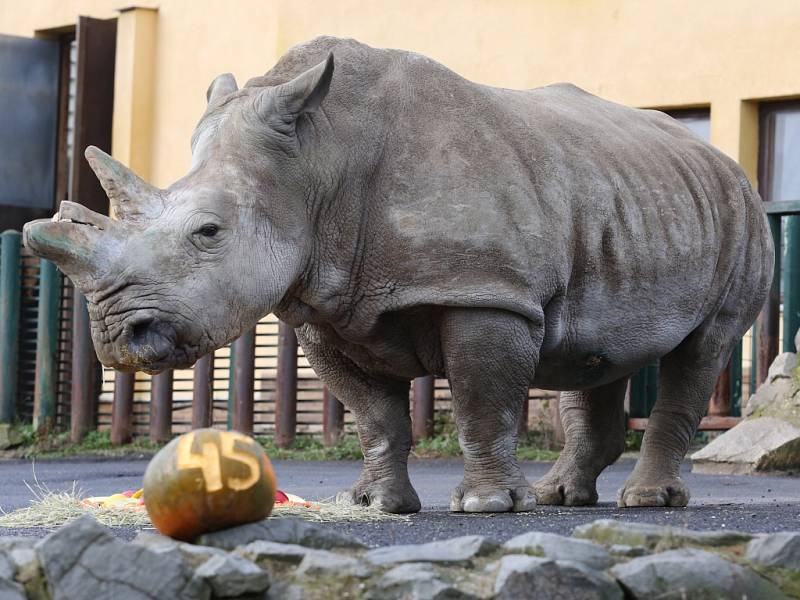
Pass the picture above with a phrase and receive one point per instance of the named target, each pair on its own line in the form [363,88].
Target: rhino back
[605,224]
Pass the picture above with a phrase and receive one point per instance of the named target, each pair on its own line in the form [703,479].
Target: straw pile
[51,509]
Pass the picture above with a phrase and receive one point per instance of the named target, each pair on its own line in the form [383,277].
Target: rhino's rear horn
[129,195]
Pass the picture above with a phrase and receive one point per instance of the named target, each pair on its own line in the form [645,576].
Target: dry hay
[52,509]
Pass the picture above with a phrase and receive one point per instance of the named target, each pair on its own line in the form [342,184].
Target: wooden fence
[262,383]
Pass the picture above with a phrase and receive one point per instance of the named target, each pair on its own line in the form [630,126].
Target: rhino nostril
[148,341]
[140,330]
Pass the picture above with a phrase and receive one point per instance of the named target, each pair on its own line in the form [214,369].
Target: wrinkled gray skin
[407,221]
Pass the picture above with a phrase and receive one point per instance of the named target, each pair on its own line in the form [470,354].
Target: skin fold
[407,222]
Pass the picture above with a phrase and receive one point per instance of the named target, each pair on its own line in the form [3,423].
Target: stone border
[291,560]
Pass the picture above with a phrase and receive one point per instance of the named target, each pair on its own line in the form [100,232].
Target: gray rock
[760,444]
[414,581]
[7,569]
[284,590]
[460,550]
[261,550]
[691,573]
[83,560]
[231,575]
[628,551]
[192,555]
[783,366]
[559,547]
[325,563]
[284,531]
[649,536]
[155,541]
[11,590]
[520,576]
[778,396]
[10,436]
[776,550]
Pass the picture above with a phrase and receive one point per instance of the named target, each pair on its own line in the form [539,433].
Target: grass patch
[306,447]
[444,444]
[96,443]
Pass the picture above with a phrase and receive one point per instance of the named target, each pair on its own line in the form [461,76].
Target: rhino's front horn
[130,196]
[80,241]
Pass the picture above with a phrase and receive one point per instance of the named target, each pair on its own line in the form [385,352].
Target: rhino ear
[282,105]
[221,86]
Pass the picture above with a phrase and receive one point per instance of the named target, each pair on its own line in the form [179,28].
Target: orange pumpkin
[207,480]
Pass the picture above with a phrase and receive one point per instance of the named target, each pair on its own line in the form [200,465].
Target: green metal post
[10,242]
[44,395]
[652,386]
[736,380]
[768,328]
[791,283]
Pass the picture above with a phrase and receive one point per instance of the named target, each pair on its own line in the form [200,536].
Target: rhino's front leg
[490,357]
[380,408]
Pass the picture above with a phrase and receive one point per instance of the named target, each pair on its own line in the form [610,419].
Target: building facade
[726,68]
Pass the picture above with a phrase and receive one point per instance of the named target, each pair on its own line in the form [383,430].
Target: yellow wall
[657,53]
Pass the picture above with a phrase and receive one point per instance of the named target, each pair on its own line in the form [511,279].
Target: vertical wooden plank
[753,383]
[161,407]
[522,428]
[720,404]
[332,418]
[122,409]
[44,394]
[422,407]
[203,392]
[769,321]
[9,322]
[231,388]
[84,363]
[286,395]
[558,427]
[244,370]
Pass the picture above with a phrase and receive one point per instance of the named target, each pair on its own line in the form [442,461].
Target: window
[698,120]
[778,173]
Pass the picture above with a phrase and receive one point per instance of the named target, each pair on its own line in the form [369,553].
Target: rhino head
[181,271]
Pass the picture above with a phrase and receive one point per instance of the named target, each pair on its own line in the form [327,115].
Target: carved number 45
[210,461]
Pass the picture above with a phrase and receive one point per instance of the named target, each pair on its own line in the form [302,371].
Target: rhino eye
[209,230]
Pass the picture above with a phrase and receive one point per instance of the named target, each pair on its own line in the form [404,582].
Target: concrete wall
[726,54]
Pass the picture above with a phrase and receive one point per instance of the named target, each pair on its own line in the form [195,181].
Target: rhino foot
[389,497]
[672,493]
[565,493]
[487,499]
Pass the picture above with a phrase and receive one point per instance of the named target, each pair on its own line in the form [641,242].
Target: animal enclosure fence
[262,383]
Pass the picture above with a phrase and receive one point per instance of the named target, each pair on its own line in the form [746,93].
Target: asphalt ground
[745,503]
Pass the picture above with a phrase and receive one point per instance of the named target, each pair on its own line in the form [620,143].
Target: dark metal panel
[29,77]
[94,105]
[94,100]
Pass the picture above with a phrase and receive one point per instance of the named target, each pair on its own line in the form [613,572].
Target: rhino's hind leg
[380,408]
[687,377]
[594,427]
[490,357]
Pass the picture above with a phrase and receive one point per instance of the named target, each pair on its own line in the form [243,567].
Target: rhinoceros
[406,222]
